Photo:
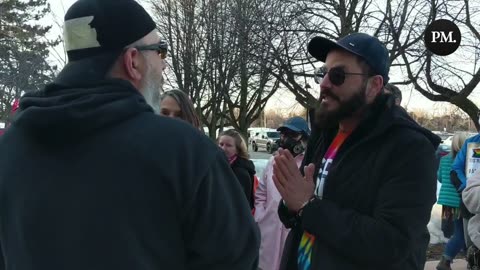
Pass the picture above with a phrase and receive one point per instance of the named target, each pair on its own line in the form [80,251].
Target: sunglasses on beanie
[336,75]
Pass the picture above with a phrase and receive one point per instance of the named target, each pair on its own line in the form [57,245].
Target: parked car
[265,140]
[255,132]
[448,140]
[442,134]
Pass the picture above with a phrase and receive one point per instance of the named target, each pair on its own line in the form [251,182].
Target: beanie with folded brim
[96,33]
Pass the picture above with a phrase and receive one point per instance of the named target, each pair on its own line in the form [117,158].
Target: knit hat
[97,31]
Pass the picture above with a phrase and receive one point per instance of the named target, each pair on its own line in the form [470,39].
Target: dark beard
[326,119]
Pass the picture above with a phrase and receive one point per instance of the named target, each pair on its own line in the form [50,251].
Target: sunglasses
[161,48]
[336,75]
[289,133]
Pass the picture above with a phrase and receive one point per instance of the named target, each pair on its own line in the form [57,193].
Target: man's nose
[325,82]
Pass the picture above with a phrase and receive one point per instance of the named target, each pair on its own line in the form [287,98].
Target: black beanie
[95,27]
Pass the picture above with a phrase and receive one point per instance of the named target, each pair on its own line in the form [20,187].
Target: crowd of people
[460,199]
[102,169]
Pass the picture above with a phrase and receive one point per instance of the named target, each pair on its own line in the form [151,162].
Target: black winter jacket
[377,197]
[91,178]
[244,170]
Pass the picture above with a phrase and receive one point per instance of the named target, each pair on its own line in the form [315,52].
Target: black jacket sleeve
[219,206]
[401,213]
[288,218]
[246,182]
[2,259]
[455,180]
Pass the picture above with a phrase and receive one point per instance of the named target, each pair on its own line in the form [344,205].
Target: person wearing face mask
[294,134]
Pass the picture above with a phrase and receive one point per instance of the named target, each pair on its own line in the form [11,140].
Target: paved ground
[458,264]
[259,155]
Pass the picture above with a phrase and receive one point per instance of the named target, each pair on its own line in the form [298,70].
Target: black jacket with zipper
[377,198]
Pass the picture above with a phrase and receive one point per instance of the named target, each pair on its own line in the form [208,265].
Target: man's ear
[374,87]
[133,64]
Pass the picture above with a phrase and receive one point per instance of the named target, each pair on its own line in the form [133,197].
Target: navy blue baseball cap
[297,124]
[367,47]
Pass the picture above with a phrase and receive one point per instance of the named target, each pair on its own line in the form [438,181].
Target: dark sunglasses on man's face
[161,48]
[336,75]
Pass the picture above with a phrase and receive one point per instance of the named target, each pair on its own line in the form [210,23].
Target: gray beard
[151,91]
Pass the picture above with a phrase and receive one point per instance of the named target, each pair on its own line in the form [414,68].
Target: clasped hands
[296,190]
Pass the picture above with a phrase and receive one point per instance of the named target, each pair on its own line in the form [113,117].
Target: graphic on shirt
[305,247]
[327,161]
[472,162]
[305,251]
[476,153]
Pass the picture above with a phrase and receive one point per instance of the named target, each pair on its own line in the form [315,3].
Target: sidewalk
[458,264]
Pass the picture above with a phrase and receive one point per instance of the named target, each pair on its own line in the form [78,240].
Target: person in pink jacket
[294,134]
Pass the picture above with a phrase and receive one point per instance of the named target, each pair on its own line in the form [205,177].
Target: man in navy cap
[91,178]
[369,179]
[294,135]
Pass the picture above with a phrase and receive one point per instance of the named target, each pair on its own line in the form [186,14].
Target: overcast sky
[412,99]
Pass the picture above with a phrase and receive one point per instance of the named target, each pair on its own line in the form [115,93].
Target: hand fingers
[280,180]
[288,154]
[309,172]
[292,170]
[283,167]
[280,187]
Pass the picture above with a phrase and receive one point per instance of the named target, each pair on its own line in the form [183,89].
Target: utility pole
[264,119]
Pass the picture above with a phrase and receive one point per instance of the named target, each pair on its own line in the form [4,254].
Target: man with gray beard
[91,178]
